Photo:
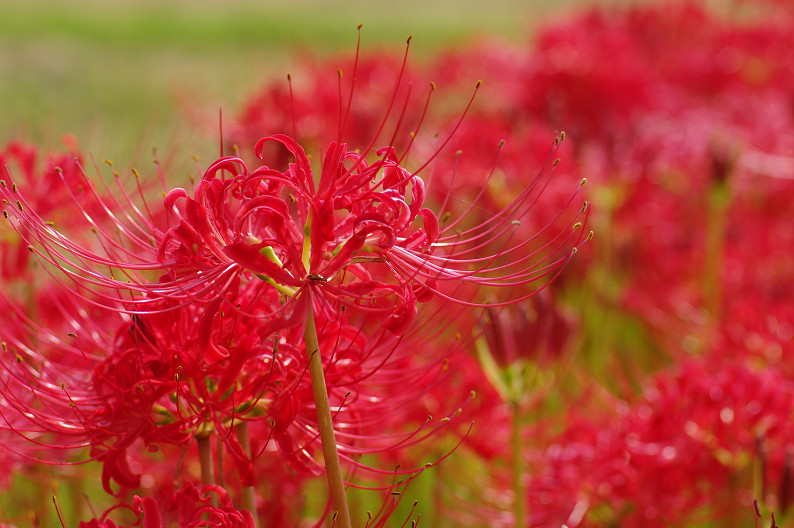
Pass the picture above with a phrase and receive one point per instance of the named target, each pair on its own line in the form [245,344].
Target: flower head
[295,235]
[355,232]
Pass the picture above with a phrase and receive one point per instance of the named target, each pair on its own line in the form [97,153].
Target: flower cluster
[265,316]
[373,256]
[673,412]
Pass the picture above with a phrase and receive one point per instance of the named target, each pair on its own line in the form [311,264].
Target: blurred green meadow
[126,76]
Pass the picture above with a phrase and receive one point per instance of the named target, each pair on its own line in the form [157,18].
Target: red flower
[190,507]
[53,185]
[359,236]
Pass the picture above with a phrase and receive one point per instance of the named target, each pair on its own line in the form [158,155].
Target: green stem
[438,495]
[77,490]
[205,460]
[333,467]
[719,201]
[219,460]
[519,508]
[249,492]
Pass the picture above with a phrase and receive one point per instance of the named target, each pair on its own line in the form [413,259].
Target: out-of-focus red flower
[536,331]
[190,507]
[54,182]
[668,455]
[315,110]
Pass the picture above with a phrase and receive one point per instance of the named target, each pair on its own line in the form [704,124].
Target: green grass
[123,77]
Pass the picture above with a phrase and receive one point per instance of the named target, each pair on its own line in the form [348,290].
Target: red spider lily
[112,382]
[248,258]
[360,238]
[193,508]
[535,331]
[360,213]
[190,507]
[663,104]
[43,177]
[666,458]
[311,108]
[50,196]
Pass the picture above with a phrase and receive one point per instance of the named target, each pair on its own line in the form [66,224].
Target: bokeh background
[120,75]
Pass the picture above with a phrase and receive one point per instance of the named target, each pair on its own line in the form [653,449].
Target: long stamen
[343,121]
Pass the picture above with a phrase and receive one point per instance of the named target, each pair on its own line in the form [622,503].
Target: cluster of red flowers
[375,251]
[265,315]
[677,406]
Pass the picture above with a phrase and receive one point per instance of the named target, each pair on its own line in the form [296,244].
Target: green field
[123,77]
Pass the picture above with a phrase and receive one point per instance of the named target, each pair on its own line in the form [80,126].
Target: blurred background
[112,72]
[117,74]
